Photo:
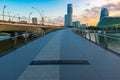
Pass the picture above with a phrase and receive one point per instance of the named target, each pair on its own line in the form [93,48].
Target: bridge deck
[61,55]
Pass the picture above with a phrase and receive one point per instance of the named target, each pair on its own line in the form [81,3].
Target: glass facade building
[104,13]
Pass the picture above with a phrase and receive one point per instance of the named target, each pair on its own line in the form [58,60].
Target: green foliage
[92,27]
[70,26]
[103,28]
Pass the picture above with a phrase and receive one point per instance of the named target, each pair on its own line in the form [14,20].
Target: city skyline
[86,11]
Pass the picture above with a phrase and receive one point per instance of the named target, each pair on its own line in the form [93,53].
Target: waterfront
[113,43]
[113,40]
[4,37]
[8,37]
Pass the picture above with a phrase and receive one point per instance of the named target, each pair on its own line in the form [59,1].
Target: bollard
[105,40]
[95,36]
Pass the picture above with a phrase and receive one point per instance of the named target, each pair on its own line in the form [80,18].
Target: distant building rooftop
[109,22]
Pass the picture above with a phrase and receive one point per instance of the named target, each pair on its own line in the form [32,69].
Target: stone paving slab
[50,72]
[15,62]
[66,45]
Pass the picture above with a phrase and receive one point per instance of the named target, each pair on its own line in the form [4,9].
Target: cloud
[112,1]
[92,15]
[87,4]
[112,6]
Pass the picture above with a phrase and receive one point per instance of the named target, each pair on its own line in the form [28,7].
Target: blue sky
[23,7]
[51,8]
[87,11]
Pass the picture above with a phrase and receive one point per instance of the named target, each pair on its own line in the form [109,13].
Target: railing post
[15,39]
[82,33]
[79,31]
[105,40]
[26,37]
[43,33]
[95,36]
[32,35]
[89,35]
[85,34]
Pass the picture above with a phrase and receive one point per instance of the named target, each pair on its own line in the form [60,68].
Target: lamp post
[3,11]
[9,15]
[29,16]
[43,19]
[38,11]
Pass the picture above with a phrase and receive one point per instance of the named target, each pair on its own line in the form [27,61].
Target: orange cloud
[91,16]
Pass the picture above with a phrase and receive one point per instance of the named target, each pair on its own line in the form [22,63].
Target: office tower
[76,24]
[104,13]
[34,20]
[69,14]
[65,21]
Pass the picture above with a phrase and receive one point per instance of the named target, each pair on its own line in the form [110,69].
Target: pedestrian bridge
[60,55]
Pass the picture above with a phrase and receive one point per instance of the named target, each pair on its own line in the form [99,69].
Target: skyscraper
[104,13]
[34,20]
[65,21]
[69,14]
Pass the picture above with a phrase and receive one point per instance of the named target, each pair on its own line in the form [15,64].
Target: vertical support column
[82,33]
[105,40]
[43,33]
[85,34]
[89,35]
[26,36]
[32,34]
[15,39]
[95,36]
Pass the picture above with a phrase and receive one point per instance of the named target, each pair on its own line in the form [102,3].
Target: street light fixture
[3,11]
[43,19]
[29,16]
[9,15]
[38,11]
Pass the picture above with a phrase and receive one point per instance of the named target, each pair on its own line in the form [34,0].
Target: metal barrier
[17,40]
[90,34]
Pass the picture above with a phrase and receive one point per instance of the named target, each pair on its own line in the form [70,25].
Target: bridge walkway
[61,55]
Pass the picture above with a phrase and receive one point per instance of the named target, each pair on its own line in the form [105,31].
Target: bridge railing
[12,43]
[16,41]
[105,38]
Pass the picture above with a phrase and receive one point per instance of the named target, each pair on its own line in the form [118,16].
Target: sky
[86,11]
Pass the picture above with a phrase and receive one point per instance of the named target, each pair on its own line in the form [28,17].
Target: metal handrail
[103,34]
[15,36]
[109,37]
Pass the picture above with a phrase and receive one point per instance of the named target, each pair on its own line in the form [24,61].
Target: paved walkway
[60,45]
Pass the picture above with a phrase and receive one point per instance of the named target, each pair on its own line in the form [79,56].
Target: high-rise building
[104,13]
[69,14]
[65,21]
[76,24]
[34,20]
